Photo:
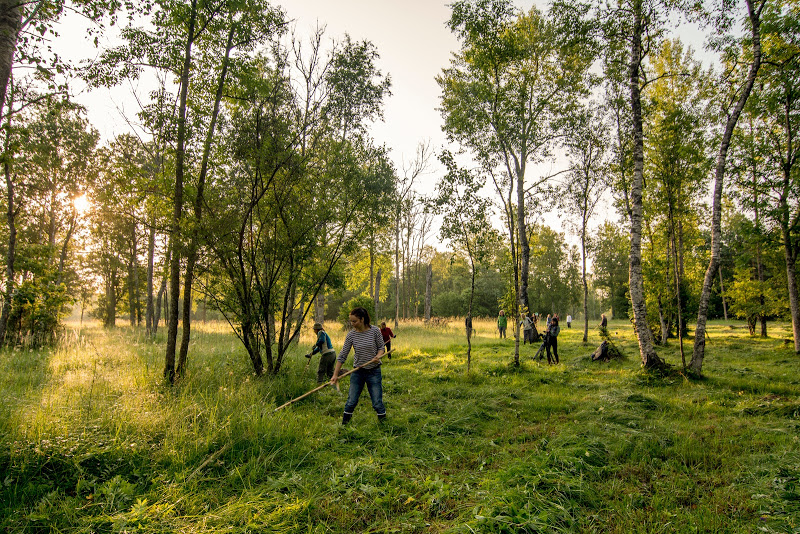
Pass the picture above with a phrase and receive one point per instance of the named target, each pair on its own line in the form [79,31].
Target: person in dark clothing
[327,357]
[387,334]
[552,338]
[603,320]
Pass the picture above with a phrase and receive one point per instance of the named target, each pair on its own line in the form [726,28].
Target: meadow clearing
[92,440]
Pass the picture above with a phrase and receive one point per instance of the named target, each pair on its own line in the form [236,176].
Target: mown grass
[92,440]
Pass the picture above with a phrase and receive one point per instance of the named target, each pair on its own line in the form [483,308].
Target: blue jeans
[372,378]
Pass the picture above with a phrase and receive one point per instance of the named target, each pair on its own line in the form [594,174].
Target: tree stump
[606,352]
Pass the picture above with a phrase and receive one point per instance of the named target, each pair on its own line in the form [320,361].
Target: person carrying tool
[367,344]
[327,357]
[387,335]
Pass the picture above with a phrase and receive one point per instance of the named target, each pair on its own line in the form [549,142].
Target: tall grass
[92,440]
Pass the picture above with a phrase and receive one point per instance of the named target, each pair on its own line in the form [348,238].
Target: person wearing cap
[327,355]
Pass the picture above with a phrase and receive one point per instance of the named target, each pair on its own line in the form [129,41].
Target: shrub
[355,302]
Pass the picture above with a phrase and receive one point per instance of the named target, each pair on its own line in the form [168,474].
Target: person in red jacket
[387,334]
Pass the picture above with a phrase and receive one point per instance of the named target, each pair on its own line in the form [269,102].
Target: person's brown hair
[361,313]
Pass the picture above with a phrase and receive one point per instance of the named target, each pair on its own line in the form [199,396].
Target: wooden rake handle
[326,384]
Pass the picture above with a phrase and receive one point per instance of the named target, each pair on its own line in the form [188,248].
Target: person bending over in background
[387,334]
[367,344]
[327,357]
[527,329]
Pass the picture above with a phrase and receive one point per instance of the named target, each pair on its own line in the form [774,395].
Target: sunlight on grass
[94,440]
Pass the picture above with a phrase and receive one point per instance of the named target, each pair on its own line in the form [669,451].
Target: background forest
[250,189]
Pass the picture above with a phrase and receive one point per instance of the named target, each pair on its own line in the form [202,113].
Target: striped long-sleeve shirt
[365,345]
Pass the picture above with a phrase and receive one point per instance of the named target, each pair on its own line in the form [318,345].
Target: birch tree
[505,97]
[732,105]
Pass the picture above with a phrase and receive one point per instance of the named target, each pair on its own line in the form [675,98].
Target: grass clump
[91,440]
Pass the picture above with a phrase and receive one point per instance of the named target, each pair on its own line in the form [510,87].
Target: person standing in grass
[367,344]
[327,357]
[527,328]
[569,321]
[552,339]
[387,334]
[502,324]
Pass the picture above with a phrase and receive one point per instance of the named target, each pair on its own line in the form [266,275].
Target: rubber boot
[346,418]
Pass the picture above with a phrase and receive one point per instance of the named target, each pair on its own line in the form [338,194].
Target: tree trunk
[636,279]
[10,25]
[428,288]
[157,308]
[698,352]
[62,258]
[191,258]
[51,225]
[111,299]
[515,262]
[662,320]
[585,287]
[132,278]
[678,279]
[397,270]
[372,266]
[469,318]
[722,294]
[377,299]
[168,292]
[790,250]
[524,245]
[11,216]
[406,271]
[794,302]
[761,297]
[175,229]
[251,345]
[319,307]
[150,311]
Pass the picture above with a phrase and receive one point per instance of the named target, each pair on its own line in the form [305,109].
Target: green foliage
[355,302]
[752,299]
[611,256]
[451,289]
[299,190]
[37,307]
[555,285]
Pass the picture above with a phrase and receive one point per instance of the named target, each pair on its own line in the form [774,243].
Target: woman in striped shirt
[367,344]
